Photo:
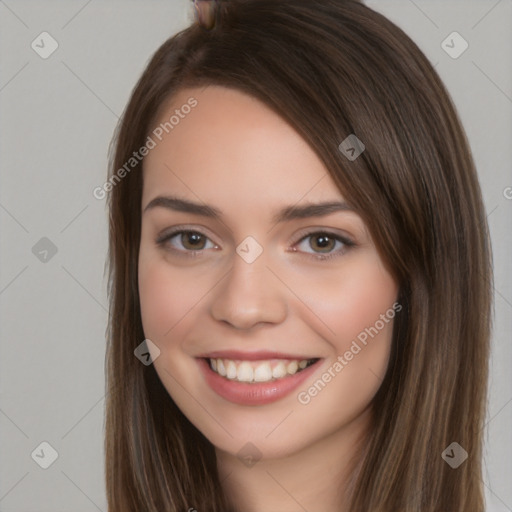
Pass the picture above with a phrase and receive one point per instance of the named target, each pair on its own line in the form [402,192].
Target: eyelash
[163,239]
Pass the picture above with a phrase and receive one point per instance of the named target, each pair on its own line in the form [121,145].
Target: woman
[298,245]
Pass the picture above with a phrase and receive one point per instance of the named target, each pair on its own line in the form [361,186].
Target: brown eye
[323,245]
[322,242]
[193,240]
[186,242]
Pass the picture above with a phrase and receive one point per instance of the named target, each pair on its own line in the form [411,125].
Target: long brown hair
[331,68]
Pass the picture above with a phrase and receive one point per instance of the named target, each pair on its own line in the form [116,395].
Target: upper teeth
[257,371]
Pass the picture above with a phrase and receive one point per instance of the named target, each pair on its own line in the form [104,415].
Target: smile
[258,371]
[255,379]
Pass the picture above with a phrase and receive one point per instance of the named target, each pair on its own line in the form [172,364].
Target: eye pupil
[324,242]
[192,240]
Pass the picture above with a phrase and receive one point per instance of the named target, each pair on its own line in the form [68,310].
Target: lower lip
[259,393]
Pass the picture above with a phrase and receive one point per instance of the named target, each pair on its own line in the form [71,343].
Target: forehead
[230,147]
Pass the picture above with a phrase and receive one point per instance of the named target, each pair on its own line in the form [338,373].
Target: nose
[249,295]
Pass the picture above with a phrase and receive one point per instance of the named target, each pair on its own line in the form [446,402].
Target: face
[261,304]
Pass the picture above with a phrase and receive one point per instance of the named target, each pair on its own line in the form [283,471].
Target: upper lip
[253,356]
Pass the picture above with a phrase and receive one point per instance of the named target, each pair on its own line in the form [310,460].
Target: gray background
[57,118]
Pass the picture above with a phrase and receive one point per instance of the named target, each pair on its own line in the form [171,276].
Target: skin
[234,153]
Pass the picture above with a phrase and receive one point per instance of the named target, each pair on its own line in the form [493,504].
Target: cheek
[351,299]
[156,299]
[366,311]
[359,306]
[167,295]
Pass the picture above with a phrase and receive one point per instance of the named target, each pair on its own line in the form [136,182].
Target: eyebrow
[286,214]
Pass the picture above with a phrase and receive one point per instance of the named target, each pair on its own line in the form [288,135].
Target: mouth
[252,372]
[250,379]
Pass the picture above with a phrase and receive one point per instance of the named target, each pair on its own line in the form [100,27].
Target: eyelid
[347,242]
[164,237]
[346,239]
[170,232]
